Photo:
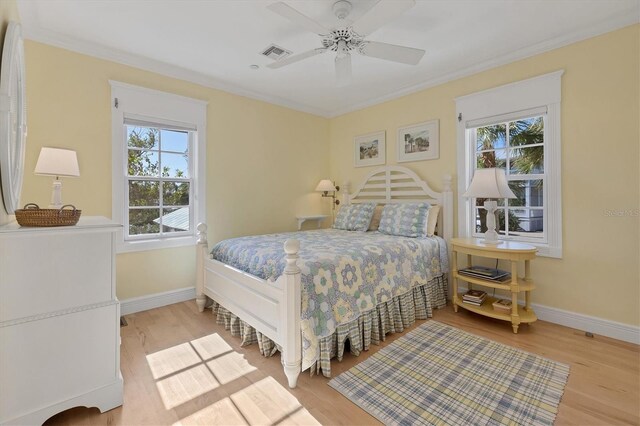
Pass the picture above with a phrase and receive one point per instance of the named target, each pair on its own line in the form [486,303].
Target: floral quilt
[344,273]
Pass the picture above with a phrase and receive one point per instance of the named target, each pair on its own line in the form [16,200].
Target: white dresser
[59,320]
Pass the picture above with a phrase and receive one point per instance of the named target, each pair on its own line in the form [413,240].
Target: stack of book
[474,297]
[486,273]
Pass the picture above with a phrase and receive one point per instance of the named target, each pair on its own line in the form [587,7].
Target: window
[515,128]
[158,167]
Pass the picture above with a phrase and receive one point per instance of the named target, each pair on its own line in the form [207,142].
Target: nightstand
[508,250]
[317,218]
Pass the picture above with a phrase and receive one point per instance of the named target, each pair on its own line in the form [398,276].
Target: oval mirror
[13,117]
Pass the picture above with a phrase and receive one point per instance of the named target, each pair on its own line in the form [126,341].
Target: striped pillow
[355,217]
[407,220]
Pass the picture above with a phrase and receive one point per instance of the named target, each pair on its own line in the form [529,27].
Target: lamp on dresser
[490,183]
[59,163]
[326,186]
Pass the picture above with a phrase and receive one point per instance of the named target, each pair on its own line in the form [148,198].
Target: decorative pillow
[375,220]
[355,217]
[432,219]
[407,220]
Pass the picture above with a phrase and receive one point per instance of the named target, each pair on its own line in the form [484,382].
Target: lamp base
[491,236]
[56,195]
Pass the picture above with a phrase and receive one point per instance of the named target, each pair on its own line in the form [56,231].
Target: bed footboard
[272,308]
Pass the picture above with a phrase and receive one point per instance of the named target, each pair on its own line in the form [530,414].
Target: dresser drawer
[54,359]
[53,271]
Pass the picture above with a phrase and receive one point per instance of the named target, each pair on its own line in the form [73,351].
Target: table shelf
[502,285]
[486,309]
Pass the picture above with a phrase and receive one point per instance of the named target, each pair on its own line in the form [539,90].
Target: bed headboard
[396,184]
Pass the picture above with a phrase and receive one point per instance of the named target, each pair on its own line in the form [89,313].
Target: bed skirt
[371,327]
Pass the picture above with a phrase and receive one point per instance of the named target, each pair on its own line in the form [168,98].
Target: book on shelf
[475,294]
[483,272]
[502,305]
[474,297]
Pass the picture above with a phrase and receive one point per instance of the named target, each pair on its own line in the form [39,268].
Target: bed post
[291,307]
[447,205]
[346,195]
[202,250]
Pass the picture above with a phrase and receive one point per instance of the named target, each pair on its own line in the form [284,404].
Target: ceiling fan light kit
[342,8]
[345,38]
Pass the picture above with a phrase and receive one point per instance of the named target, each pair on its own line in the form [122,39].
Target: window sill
[154,244]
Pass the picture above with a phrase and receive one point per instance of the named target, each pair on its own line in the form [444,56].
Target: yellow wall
[252,146]
[263,161]
[598,274]
[8,12]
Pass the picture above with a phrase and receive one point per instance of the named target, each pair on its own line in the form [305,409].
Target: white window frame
[164,109]
[507,103]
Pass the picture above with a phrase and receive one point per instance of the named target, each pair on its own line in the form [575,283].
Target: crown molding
[536,49]
[53,38]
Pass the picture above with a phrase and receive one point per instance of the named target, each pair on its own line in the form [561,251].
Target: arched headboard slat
[396,184]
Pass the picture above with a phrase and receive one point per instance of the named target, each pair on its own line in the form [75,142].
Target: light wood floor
[179,367]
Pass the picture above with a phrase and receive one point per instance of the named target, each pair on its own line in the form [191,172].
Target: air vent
[276,52]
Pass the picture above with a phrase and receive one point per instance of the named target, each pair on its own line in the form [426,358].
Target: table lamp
[59,163]
[490,183]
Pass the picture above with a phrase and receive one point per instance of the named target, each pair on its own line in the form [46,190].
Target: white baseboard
[595,325]
[615,330]
[144,303]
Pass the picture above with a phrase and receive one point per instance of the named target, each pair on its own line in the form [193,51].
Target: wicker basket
[33,215]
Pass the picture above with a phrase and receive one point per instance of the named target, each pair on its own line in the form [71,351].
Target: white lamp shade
[489,183]
[325,185]
[57,162]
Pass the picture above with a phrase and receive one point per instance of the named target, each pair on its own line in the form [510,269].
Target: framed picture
[419,142]
[369,150]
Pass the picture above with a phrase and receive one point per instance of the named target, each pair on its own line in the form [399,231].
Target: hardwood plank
[236,385]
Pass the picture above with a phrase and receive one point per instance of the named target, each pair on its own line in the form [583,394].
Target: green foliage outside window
[144,160]
[526,156]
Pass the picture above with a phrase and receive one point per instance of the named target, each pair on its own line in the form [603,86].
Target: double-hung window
[515,128]
[158,167]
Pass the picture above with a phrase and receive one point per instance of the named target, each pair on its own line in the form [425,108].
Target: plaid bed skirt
[371,327]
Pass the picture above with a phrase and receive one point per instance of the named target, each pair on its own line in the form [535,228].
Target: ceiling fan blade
[382,12]
[297,18]
[296,58]
[391,52]
[343,70]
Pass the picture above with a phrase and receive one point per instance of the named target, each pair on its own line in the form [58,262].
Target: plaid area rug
[440,375]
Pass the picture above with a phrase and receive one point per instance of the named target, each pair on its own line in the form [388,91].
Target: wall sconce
[326,186]
[57,162]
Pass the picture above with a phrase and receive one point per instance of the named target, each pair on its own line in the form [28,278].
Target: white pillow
[432,220]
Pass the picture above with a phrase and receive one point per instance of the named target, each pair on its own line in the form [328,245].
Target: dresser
[59,320]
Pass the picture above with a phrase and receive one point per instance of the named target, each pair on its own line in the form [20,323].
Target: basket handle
[67,205]
[32,206]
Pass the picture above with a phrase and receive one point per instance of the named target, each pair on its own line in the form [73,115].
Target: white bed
[273,308]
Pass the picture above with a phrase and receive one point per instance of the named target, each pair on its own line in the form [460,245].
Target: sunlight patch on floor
[222,412]
[210,346]
[268,402]
[191,370]
[230,367]
[172,360]
[185,386]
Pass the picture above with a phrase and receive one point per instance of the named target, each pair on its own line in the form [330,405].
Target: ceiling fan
[347,37]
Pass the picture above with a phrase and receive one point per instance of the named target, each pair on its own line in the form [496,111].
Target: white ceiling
[214,42]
